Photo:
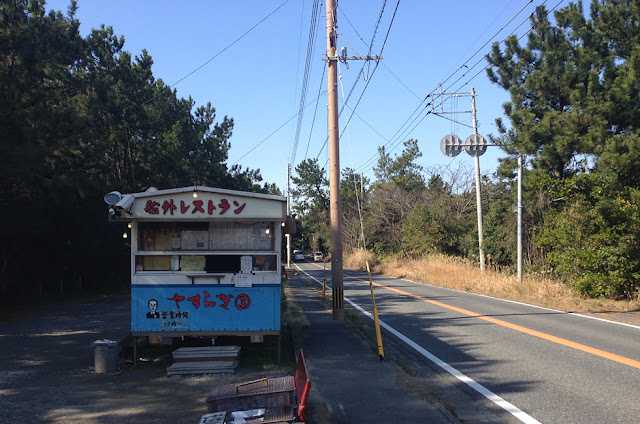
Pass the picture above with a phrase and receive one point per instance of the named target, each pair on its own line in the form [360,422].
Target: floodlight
[112,198]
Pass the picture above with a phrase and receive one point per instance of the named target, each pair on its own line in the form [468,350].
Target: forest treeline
[574,115]
[80,117]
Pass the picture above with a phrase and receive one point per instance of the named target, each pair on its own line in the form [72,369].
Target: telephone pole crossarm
[343,58]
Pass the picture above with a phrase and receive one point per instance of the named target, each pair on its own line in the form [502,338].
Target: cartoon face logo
[153,305]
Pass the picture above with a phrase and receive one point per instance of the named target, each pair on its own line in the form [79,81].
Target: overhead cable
[410,123]
[219,53]
[270,135]
[313,121]
[305,78]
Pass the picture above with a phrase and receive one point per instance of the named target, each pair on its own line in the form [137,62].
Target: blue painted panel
[204,307]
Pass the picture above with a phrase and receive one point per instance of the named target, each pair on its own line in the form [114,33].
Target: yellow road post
[375,317]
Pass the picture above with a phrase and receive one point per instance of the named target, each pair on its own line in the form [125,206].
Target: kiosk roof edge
[205,189]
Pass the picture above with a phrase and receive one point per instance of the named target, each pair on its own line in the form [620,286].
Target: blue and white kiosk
[204,261]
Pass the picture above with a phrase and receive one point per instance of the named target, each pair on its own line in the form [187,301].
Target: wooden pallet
[207,367]
[204,360]
[206,353]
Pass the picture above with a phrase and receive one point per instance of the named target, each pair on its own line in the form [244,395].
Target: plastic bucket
[105,356]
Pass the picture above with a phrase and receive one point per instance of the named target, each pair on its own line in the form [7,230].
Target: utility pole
[478,191]
[475,145]
[337,281]
[332,59]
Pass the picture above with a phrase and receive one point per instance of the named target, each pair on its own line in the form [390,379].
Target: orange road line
[535,333]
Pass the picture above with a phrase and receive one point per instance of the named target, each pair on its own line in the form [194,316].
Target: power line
[362,68]
[344,103]
[484,58]
[305,78]
[383,64]
[270,135]
[488,41]
[409,122]
[219,53]
[375,31]
[481,35]
[377,61]
[295,92]
[313,121]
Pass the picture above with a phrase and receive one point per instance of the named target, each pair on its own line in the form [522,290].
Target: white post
[520,218]
[478,191]
[288,236]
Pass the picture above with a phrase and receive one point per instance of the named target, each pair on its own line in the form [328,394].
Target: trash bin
[105,356]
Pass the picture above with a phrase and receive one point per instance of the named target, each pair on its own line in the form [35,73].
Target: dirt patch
[46,372]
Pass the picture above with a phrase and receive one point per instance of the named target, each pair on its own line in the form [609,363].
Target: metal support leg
[279,348]
[135,351]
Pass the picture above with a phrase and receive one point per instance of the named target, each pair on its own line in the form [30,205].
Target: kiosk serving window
[212,247]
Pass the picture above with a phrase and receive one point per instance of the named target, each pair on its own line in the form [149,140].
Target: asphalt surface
[548,366]
[349,382]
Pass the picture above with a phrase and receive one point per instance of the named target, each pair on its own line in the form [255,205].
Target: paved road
[526,364]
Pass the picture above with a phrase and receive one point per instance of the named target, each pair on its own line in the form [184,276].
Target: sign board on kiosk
[204,261]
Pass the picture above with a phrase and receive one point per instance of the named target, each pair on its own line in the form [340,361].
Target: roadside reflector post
[375,317]
[324,280]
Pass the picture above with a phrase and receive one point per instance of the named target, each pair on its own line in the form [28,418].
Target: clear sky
[258,80]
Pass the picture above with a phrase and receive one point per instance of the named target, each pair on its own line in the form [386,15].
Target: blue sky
[258,80]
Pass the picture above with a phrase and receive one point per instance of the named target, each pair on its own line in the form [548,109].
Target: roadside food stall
[204,261]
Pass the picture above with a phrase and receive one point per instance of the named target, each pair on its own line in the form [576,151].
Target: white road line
[510,408]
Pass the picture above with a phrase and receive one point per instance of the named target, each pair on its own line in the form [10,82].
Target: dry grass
[357,258]
[460,274]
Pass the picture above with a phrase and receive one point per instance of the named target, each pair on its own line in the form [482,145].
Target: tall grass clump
[357,260]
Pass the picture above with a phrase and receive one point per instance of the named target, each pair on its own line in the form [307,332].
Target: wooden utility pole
[337,281]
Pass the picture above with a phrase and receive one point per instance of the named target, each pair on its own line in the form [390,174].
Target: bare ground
[46,371]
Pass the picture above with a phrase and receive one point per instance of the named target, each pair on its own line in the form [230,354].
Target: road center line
[584,348]
[512,409]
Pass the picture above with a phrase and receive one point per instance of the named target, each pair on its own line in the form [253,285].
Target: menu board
[234,236]
[246,264]
[156,237]
[194,240]
[192,263]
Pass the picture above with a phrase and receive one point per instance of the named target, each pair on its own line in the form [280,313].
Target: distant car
[318,257]
[298,255]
